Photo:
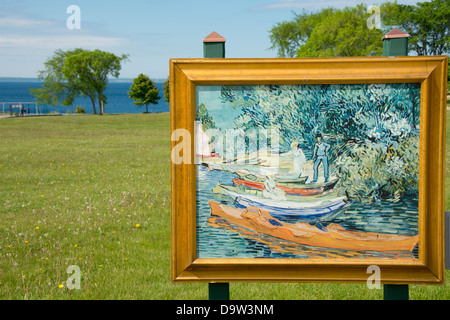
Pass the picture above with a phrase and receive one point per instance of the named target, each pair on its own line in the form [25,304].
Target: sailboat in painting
[341,149]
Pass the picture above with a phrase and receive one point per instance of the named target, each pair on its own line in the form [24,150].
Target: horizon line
[113,79]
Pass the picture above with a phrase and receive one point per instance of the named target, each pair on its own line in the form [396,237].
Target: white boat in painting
[316,208]
[291,209]
[250,168]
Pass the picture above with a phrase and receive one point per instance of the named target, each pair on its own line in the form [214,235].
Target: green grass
[94,192]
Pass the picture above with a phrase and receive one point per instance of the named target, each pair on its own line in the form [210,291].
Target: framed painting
[308,169]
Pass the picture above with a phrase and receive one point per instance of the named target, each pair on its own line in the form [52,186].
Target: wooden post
[395,43]
[447,240]
[396,292]
[219,291]
[214,47]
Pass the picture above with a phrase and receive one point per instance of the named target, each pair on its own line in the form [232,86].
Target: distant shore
[24,79]
[16,92]
[7,115]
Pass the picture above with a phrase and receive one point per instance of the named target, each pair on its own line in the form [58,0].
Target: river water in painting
[218,238]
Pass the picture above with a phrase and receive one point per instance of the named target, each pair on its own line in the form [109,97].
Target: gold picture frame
[429,72]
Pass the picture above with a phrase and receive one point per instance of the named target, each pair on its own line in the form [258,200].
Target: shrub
[374,171]
[80,109]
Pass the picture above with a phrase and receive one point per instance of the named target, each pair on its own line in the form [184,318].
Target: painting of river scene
[307,171]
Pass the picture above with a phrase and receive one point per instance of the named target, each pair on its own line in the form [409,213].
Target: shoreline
[7,116]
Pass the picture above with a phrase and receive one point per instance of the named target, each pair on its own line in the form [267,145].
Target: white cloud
[52,42]
[20,32]
[319,4]
[24,22]
[299,5]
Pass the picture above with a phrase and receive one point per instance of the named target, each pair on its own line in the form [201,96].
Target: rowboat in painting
[293,210]
[213,158]
[291,188]
[307,208]
[249,167]
[265,157]
[235,191]
[333,236]
[279,177]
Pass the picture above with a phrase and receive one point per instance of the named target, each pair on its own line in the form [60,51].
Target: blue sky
[150,31]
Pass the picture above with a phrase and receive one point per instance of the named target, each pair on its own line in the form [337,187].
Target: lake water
[218,238]
[116,92]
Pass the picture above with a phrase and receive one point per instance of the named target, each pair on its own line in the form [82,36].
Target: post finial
[214,37]
[395,33]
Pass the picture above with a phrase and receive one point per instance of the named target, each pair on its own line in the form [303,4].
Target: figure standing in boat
[320,155]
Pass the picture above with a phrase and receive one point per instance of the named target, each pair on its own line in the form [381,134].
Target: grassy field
[94,192]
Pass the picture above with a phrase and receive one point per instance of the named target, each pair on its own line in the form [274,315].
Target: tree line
[328,32]
[84,73]
[334,32]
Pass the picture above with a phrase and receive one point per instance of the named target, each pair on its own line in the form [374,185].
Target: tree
[166,89]
[328,32]
[427,24]
[79,72]
[143,91]
[333,33]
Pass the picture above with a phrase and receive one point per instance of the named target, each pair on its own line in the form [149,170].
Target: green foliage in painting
[203,116]
[373,129]
[372,171]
